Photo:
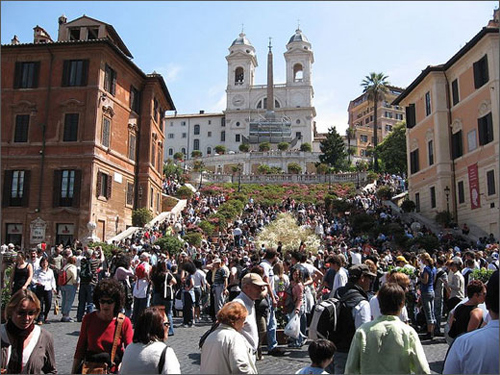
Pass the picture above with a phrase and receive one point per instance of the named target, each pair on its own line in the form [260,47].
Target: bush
[220,149]
[264,169]
[171,244]
[283,146]
[384,192]
[193,238]
[372,176]
[167,203]
[106,248]
[141,217]
[408,206]
[184,192]
[482,274]
[362,223]
[244,147]
[218,220]
[294,168]
[196,154]
[178,156]
[429,242]
[207,227]
[322,168]
[264,146]
[306,147]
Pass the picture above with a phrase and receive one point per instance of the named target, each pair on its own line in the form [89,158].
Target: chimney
[14,40]
[270,84]
[202,111]
[494,22]
[62,28]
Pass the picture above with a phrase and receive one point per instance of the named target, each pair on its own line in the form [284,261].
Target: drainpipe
[453,174]
[44,128]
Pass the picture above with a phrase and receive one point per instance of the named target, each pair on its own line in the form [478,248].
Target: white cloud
[171,72]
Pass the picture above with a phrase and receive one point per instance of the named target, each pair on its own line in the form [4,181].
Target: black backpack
[86,272]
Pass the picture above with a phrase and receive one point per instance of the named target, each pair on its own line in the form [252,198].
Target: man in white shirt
[141,287]
[337,262]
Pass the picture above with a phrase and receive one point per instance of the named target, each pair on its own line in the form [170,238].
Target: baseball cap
[183,254]
[401,259]
[253,278]
[216,260]
[359,270]
[494,255]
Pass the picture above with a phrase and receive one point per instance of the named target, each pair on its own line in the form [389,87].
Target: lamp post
[239,177]
[447,192]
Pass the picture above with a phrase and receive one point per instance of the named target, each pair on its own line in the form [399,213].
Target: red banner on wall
[475,201]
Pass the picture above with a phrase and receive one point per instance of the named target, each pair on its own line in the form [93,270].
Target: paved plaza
[185,345]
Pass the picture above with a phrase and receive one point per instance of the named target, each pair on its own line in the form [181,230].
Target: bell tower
[299,59]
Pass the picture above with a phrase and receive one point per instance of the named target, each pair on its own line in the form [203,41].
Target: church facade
[246,118]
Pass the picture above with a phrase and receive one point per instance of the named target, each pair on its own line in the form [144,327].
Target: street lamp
[447,192]
[239,177]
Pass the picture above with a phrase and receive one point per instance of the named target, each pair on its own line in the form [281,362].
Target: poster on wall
[475,201]
[37,232]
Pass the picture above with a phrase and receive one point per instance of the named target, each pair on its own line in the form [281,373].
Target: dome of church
[298,37]
[241,40]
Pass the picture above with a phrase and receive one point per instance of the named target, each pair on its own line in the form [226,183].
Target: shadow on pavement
[196,357]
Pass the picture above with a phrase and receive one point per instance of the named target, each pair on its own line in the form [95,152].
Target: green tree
[392,150]
[306,147]
[375,87]
[178,156]
[264,169]
[294,168]
[141,217]
[283,146]
[171,244]
[264,146]
[184,193]
[333,150]
[321,168]
[172,170]
[196,153]
[244,147]
[220,149]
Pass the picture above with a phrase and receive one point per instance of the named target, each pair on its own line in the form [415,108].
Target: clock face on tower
[238,100]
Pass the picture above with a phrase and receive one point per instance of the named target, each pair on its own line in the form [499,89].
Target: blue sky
[187,41]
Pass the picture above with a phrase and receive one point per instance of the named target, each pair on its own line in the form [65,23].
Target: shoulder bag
[102,367]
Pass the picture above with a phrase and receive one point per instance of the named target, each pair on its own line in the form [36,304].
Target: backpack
[62,277]
[86,272]
[285,300]
[332,319]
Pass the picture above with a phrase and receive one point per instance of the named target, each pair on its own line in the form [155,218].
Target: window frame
[432,193]
[490,183]
[21,128]
[70,130]
[455,93]
[461,192]
[428,109]
[75,73]
[26,74]
[430,152]
[106,132]
[481,72]
[110,78]
[485,129]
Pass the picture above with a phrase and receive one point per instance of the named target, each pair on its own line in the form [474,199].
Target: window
[171,123]
[223,136]
[414,165]
[239,76]
[75,73]
[298,73]
[461,192]
[388,128]
[26,75]
[223,122]
[109,80]
[106,131]
[66,188]
[93,33]
[196,130]
[363,138]
[456,145]
[16,188]
[427,103]
[209,122]
[430,151]
[209,150]
[135,100]
[184,135]
[158,202]
[153,154]
[433,197]
[160,153]
[183,123]
[74,33]
[454,92]
[151,196]
[171,135]
[209,134]
[367,120]
[237,138]
[298,135]
[156,109]
[417,202]
[170,151]
[21,130]
[130,194]
[70,127]
[485,126]
[196,144]
[131,146]
[103,185]
[490,178]
[481,75]
[410,116]
[183,150]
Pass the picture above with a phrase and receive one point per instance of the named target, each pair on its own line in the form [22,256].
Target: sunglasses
[166,324]
[26,312]
[106,301]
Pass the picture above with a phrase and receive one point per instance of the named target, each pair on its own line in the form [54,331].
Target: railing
[283,178]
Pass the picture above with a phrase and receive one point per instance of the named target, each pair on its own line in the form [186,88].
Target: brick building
[452,113]
[82,135]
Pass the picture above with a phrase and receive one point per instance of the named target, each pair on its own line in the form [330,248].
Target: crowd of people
[127,301]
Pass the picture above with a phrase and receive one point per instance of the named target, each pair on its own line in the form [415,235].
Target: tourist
[270,257]
[68,291]
[403,281]
[188,297]
[148,353]
[124,274]
[200,289]
[22,274]
[141,286]
[225,350]
[26,348]
[88,281]
[298,298]
[337,262]
[163,286]
[220,276]
[387,345]
[45,283]
[321,354]
[455,284]
[427,277]
[97,332]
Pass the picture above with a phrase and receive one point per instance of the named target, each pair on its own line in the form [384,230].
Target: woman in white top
[45,285]
[149,354]
[403,281]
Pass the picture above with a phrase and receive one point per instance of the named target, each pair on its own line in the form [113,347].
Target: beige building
[452,114]
[361,112]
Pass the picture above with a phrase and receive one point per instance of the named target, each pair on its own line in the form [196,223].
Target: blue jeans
[68,293]
[85,302]
[271,329]
[428,306]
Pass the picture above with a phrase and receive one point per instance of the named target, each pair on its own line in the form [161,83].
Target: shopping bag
[56,307]
[292,328]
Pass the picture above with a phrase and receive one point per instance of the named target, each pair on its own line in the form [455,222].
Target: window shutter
[26,189]
[36,74]
[76,188]
[18,72]
[7,186]
[57,188]
[113,82]
[85,73]
[484,70]
[65,76]
[410,116]
[109,181]
[99,184]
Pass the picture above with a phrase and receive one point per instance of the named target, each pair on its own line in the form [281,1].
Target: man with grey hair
[455,284]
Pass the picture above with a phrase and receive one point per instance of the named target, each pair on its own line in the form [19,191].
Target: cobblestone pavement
[185,345]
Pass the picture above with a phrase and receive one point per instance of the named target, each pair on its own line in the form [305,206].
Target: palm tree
[375,87]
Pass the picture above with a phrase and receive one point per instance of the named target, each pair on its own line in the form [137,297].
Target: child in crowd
[321,353]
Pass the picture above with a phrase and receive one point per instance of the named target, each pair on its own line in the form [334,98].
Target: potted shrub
[184,192]
[408,206]
[196,154]
[220,149]
[283,146]
[244,147]
[264,146]
[141,217]
[294,168]
[171,244]
[305,147]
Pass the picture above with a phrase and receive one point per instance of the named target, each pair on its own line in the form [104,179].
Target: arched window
[170,151]
[196,144]
[183,150]
[239,76]
[209,150]
[197,130]
[298,73]
[262,104]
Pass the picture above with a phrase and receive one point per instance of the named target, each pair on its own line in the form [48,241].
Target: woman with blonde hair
[404,282]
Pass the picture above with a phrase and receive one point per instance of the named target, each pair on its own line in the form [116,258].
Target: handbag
[101,367]
[292,328]
[56,307]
